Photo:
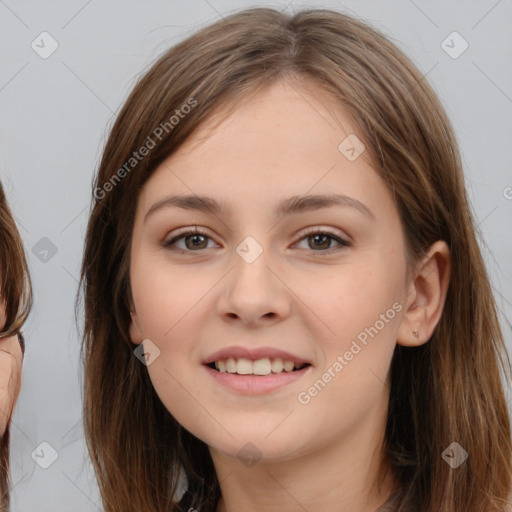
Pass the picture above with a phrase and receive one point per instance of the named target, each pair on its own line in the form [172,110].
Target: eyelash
[315,231]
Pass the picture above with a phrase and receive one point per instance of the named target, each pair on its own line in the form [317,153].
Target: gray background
[55,114]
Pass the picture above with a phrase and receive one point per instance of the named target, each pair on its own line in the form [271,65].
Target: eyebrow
[292,205]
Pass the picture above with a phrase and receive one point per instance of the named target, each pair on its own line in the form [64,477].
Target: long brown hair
[444,391]
[16,297]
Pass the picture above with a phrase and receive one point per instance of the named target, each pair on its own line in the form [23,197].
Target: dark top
[391,505]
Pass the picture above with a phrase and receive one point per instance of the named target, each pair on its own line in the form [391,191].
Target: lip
[253,354]
[256,384]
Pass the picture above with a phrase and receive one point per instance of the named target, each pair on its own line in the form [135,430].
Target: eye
[197,240]
[320,241]
[194,240]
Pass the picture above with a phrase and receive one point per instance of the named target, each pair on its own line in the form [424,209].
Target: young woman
[15,304]
[286,307]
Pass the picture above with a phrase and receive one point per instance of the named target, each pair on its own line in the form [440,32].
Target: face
[266,279]
[10,371]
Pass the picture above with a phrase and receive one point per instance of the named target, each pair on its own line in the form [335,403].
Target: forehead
[287,140]
[291,104]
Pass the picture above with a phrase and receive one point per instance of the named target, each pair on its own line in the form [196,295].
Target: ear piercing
[416,333]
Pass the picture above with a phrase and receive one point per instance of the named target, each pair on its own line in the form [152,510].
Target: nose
[254,293]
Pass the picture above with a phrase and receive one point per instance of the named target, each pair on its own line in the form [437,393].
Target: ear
[426,296]
[135,329]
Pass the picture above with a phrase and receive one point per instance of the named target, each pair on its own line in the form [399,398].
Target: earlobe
[426,296]
[135,330]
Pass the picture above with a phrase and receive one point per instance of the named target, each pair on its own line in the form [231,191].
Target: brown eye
[321,241]
[194,241]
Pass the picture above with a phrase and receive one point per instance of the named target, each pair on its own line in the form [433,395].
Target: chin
[253,448]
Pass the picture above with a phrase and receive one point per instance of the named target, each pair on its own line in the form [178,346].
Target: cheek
[362,310]
[357,297]
[162,296]
[165,302]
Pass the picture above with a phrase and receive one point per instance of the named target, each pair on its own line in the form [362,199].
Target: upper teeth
[265,366]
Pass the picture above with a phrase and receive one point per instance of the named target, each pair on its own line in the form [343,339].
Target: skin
[10,373]
[283,142]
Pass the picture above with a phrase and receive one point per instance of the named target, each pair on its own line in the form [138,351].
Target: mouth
[257,367]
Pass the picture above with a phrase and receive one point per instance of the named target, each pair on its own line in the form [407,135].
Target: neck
[338,476]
